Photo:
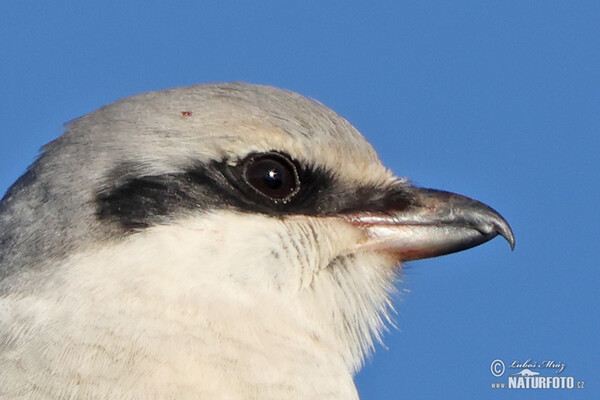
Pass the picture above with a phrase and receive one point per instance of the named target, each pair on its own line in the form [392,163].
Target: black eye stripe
[143,201]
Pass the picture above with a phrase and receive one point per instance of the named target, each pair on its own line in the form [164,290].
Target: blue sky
[497,100]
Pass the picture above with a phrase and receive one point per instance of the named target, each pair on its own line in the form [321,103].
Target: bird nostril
[397,201]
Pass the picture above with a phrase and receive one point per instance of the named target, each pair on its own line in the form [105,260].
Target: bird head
[233,193]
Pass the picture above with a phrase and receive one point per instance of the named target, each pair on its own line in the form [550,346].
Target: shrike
[222,241]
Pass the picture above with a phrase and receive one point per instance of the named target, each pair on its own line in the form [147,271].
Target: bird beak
[433,223]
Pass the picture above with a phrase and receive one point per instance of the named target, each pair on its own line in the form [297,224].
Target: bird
[215,241]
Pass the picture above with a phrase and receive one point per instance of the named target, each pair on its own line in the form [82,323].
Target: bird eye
[272,175]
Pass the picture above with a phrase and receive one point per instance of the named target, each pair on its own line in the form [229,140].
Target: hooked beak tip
[434,223]
[506,232]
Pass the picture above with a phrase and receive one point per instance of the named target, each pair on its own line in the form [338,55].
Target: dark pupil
[271,177]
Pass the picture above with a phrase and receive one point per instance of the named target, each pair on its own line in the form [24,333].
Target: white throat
[203,309]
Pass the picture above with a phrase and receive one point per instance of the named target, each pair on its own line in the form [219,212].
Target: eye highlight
[272,175]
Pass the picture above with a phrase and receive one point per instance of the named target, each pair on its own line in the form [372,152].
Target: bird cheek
[355,240]
[335,238]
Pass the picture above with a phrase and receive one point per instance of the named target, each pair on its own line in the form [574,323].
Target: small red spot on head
[186,113]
